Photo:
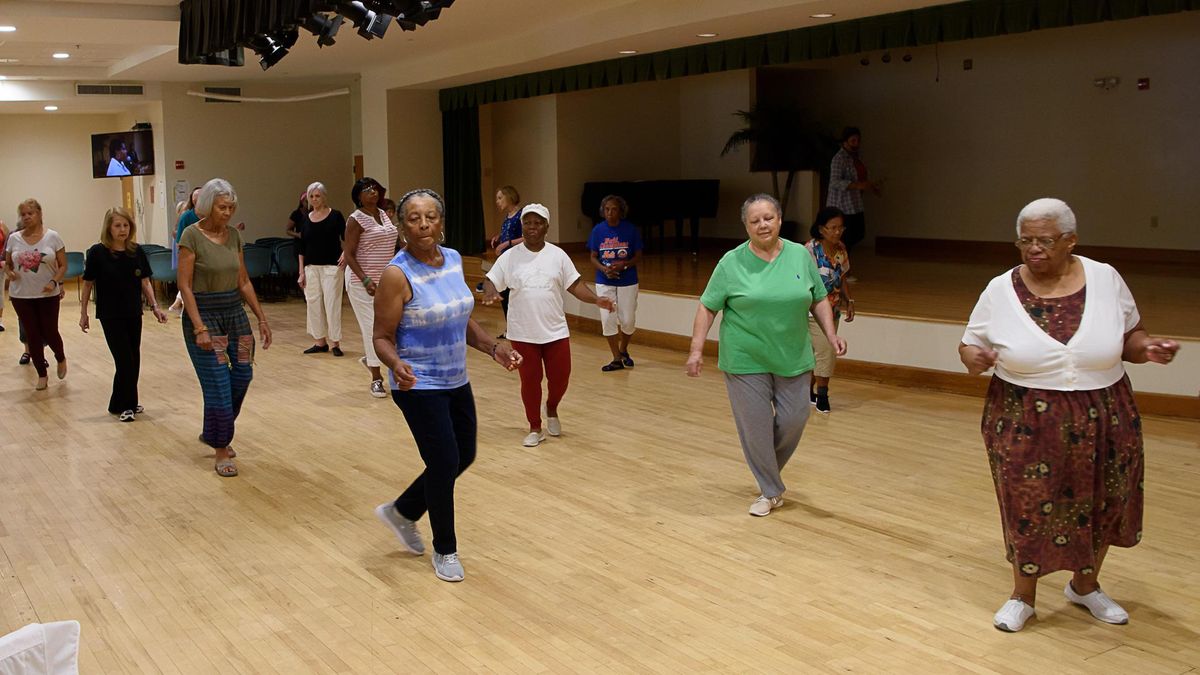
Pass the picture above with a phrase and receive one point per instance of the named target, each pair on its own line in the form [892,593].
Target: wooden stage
[941,289]
[623,546]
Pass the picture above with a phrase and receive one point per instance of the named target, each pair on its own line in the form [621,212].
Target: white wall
[613,134]
[414,142]
[962,154]
[525,153]
[49,157]
[270,152]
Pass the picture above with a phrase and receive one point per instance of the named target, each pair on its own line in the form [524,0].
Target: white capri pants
[323,294]
[625,317]
[363,304]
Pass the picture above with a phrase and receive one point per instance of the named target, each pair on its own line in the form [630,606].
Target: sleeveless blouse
[432,335]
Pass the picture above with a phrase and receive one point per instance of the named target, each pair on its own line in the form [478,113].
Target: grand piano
[654,202]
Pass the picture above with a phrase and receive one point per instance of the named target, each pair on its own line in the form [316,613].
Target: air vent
[227,91]
[109,90]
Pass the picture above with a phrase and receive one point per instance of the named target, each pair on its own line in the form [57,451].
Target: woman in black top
[120,272]
[296,219]
[320,249]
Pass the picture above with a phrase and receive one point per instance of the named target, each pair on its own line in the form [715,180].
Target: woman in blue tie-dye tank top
[423,327]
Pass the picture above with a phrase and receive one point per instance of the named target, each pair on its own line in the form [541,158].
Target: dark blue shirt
[510,229]
[615,244]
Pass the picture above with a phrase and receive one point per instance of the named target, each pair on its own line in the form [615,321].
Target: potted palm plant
[783,138]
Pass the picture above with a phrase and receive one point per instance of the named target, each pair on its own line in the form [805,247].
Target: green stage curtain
[461,174]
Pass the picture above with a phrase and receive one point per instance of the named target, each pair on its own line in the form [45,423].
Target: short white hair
[217,187]
[319,187]
[1048,208]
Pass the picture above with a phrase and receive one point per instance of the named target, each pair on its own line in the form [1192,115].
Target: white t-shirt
[35,265]
[537,280]
[116,168]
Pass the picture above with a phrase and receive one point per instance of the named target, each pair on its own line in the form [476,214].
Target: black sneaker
[614,365]
[24,360]
[822,404]
[337,351]
[812,397]
[317,349]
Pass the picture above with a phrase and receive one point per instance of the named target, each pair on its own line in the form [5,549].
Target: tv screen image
[123,153]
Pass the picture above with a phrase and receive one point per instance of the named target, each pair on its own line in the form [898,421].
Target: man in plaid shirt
[847,181]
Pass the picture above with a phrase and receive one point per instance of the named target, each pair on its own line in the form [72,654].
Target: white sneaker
[377,389]
[534,438]
[1013,615]
[1099,604]
[405,529]
[553,426]
[447,567]
[764,505]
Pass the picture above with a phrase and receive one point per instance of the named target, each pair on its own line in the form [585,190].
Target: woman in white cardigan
[1062,430]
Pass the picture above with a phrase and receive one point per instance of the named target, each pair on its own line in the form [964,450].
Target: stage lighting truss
[272,48]
[324,26]
[370,23]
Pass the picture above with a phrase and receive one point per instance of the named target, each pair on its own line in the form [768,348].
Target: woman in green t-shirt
[214,282]
[766,287]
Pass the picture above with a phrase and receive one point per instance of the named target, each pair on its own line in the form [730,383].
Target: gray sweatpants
[770,413]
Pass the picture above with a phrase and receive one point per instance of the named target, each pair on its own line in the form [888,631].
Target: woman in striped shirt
[370,243]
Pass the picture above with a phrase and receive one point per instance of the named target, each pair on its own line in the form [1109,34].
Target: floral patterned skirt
[1068,469]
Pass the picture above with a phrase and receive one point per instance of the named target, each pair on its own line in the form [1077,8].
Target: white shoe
[448,567]
[377,389]
[404,529]
[764,505]
[553,426]
[1013,615]
[1099,604]
[534,438]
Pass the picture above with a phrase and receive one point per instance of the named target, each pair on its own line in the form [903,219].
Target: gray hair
[319,187]
[217,187]
[422,192]
[1048,208]
[761,197]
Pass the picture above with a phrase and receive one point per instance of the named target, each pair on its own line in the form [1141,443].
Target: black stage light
[370,24]
[325,27]
[270,51]
[413,13]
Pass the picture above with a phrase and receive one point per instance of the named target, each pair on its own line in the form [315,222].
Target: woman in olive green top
[213,281]
[767,287]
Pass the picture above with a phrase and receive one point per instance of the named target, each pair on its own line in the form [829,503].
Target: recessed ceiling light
[61,55]
[8,29]
[50,108]
[627,51]
[706,35]
[822,15]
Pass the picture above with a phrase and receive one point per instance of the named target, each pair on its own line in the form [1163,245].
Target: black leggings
[856,229]
[443,424]
[124,337]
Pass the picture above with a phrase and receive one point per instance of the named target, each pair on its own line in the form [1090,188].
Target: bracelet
[201,329]
[495,346]
[850,301]
[262,323]
[369,282]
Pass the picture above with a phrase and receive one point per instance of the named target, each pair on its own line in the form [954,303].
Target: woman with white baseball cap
[537,272]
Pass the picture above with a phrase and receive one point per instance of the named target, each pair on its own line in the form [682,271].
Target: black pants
[504,301]
[443,424]
[39,317]
[856,229]
[124,337]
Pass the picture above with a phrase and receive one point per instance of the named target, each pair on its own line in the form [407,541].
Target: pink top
[376,245]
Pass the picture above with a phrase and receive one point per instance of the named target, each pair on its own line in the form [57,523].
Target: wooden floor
[943,290]
[623,546]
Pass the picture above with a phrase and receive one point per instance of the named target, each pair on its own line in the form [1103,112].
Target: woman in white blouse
[1062,430]
[538,273]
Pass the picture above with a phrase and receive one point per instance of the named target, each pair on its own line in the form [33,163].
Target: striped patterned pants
[224,371]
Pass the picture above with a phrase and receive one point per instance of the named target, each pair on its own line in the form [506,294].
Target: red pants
[39,318]
[557,359]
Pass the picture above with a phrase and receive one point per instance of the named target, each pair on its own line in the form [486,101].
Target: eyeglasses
[371,188]
[1046,243]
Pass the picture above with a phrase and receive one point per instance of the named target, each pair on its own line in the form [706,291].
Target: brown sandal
[225,468]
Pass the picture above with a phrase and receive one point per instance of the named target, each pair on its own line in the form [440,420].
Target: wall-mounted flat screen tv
[123,153]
